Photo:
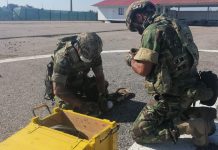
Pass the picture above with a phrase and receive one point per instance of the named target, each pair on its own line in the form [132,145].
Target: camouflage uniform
[173,81]
[70,71]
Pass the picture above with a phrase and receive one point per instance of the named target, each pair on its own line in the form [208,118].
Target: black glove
[103,103]
[133,51]
[211,81]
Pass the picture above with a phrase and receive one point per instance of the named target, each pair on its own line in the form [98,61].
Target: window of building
[120,11]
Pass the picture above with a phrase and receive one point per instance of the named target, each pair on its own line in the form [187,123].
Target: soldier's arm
[147,56]
[100,79]
[142,68]
[59,79]
[99,74]
[64,94]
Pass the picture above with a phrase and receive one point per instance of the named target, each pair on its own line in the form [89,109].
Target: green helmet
[141,6]
[90,45]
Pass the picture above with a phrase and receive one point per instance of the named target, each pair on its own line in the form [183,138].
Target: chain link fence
[32,14]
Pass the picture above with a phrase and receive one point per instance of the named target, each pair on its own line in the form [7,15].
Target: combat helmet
[90,45]
[141,6]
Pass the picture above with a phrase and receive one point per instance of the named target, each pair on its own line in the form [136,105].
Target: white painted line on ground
[49,55]
[211,51]
[115,51]
[24,58]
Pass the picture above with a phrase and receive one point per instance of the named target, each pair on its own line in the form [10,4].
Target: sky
[78,5]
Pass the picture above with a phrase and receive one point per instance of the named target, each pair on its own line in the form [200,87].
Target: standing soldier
[168,59]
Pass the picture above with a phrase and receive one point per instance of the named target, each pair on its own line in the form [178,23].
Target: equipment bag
[49,94]
[211,81]
[186,38]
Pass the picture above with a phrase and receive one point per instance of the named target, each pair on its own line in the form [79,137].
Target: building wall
[213,15]
[202,17]
[195,16]
[190,16]
[111,13]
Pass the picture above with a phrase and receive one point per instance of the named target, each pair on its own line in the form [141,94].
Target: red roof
[114,3]
[185,2]
[161,2]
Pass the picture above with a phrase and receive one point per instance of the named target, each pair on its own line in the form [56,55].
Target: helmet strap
[147,21]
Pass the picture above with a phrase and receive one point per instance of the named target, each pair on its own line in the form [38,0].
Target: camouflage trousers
[87,92]
[157,117]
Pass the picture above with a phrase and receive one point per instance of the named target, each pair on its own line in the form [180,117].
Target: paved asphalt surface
[21,83]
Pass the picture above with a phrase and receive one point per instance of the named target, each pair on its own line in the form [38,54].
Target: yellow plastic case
[100,134]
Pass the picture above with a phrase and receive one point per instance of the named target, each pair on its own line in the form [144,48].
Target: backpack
[185,36]
[49,94]
[165,74]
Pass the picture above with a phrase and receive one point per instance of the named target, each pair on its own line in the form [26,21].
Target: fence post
[25,18]
[39,14]
[50,15]
[85,16]
[12,16]
[60,15]
[77,16]
[68,16]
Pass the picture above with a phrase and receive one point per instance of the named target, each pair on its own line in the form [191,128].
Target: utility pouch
[49,95]
[211,81]
[163,82]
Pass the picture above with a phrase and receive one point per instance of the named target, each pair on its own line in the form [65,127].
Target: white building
[114,10]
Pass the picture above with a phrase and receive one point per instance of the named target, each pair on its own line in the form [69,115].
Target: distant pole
[60,15]
[71,5]
[50,14]
[7,3]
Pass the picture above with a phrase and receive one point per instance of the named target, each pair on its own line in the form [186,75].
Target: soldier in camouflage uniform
[168,58]
[72,87]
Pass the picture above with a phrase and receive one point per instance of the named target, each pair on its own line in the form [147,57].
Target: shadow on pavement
[125,112]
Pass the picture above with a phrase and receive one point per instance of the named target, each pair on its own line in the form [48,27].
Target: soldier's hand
[129,59]
[88,108]
[104,104]
[133,51]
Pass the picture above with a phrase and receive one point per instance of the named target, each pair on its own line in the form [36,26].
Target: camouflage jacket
[69,69]
[169,45]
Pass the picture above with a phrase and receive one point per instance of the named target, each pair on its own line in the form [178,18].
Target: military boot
[184,128]
[211,81]
[121,95]
[200,130]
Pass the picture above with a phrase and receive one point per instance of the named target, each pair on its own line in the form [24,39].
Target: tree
[12,6]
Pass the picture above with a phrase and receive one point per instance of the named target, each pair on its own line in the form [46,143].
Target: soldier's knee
[135,133]
[137,136]
[141,133]
[145,138]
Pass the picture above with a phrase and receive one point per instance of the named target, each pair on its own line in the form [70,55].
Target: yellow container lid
[35,137]
[100,134]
